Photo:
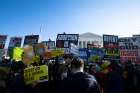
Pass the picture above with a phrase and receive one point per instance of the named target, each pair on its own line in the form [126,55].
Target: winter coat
[79,83]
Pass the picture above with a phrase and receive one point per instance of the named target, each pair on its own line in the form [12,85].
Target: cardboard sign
[28,54]
[2,41]
[64,40]
[17,53]
[38,73]
[31,40]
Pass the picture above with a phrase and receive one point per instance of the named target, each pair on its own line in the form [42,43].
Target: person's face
[93,68]
[67,60]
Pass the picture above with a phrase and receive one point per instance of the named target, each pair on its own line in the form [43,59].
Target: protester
[3,85]
[115,80]
[17,84]
[79,82]
[110,80]
[130,79]
[59,72]
[138,80]
[70,74]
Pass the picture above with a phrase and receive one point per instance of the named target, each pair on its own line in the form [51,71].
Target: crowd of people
[73,75]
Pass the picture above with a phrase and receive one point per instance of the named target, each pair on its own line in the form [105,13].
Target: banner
[17,53]
[37,73]
[31,40]
[64,40]
[28,54]
[111,46]
[2,41]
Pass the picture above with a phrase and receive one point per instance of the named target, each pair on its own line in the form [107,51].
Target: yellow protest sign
[37,73]
[17,53]
[28,55]
[36,59]
[94,58]
[53,53]
[57,52]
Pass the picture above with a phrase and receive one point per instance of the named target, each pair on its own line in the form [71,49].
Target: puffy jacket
[80,83]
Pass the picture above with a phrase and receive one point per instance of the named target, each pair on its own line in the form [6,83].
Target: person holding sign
[79,82]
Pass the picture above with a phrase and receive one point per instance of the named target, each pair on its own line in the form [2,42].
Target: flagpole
[40,32]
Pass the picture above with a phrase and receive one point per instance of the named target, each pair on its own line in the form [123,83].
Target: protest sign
[129,49]
[64,40]
[31,40]
[111,46]
[17,53]
[57,52]
[94,58]
[36,59]
[2,41]
[96,54]
[15,42]
[83,54]
[37,73]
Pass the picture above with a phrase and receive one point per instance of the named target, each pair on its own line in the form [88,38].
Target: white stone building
[90,38]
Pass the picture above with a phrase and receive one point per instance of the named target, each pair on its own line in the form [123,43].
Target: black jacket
[80,83]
